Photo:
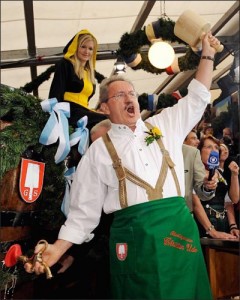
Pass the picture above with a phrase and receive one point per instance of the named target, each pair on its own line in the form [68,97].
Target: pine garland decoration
[164,100]
[27,119]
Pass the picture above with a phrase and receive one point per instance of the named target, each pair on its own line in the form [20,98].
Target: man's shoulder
[189,149]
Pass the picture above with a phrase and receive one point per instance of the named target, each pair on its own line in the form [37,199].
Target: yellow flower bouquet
[153,134]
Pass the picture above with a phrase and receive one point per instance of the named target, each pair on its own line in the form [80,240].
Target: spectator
[192,139]
[215,208]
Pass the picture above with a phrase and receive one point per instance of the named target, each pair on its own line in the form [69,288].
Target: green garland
[24,112]
[132,43]
[164,100]
[26,120]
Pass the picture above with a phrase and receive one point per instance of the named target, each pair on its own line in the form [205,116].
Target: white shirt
[95,184]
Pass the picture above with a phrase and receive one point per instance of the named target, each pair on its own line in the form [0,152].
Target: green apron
[154,254]
[155,250]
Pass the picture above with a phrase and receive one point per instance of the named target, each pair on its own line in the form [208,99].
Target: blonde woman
[74,78]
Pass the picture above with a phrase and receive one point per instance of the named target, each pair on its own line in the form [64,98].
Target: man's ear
[104,108]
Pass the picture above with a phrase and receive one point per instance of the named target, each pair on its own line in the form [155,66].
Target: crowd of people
[151,176]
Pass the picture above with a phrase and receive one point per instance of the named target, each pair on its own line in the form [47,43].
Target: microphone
[212,163]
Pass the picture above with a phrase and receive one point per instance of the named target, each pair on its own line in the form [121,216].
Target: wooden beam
[142,15]
[29,21]
[225,18]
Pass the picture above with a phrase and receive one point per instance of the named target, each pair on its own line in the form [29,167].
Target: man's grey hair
[103,92]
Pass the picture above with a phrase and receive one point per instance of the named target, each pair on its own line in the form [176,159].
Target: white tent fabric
[55,23]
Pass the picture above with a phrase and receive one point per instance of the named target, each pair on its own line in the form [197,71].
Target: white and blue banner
[68,175]
[56,127]
[81,135]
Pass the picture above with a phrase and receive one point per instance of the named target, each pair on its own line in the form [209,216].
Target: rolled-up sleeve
[86,202]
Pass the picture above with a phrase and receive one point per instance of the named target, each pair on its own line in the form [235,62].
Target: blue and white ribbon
[56,127]
[81,135]
[68,175]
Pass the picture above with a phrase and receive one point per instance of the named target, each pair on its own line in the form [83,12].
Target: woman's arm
[234,186]
[205,222]
[231,219]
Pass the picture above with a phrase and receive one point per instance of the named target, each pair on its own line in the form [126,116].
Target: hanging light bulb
[119,66]
[161,54]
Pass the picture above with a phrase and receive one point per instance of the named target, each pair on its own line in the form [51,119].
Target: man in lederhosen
[136,171]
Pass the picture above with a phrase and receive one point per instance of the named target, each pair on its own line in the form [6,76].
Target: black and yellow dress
[67,86]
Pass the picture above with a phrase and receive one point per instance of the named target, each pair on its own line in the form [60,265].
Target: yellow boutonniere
[153,134]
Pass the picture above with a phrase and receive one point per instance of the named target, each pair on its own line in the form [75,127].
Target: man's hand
[51,255]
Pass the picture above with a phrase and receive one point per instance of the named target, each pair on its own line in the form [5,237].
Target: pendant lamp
[161,54]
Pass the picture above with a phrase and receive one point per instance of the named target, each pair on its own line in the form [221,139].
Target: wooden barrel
[16,215]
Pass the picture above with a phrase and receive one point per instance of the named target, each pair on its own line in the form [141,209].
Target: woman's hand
[221,235]
[235,232]
[234,168]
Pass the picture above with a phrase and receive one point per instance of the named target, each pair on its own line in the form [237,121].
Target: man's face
[227,132]
[192,140]
[123,109]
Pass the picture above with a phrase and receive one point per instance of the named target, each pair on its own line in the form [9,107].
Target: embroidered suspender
[123,173]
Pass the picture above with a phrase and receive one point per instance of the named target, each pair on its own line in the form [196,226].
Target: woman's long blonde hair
[89,66]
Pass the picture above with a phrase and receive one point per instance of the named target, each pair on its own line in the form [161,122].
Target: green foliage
[131,43]
[166,100]
[49,206]
[189,61]
[26,118]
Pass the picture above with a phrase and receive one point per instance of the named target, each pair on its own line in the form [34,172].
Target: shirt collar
[124,129]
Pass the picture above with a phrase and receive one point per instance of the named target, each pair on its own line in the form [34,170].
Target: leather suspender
[123,173]
[117,165]
[169,161]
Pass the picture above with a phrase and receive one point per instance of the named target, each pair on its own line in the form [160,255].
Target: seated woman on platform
[228,182]
[74,78]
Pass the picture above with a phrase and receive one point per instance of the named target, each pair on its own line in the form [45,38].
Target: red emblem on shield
[31,179]
[122,251]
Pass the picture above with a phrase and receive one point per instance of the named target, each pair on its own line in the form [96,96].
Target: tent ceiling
[34,29]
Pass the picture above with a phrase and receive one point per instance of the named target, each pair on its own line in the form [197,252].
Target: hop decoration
[153,134]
